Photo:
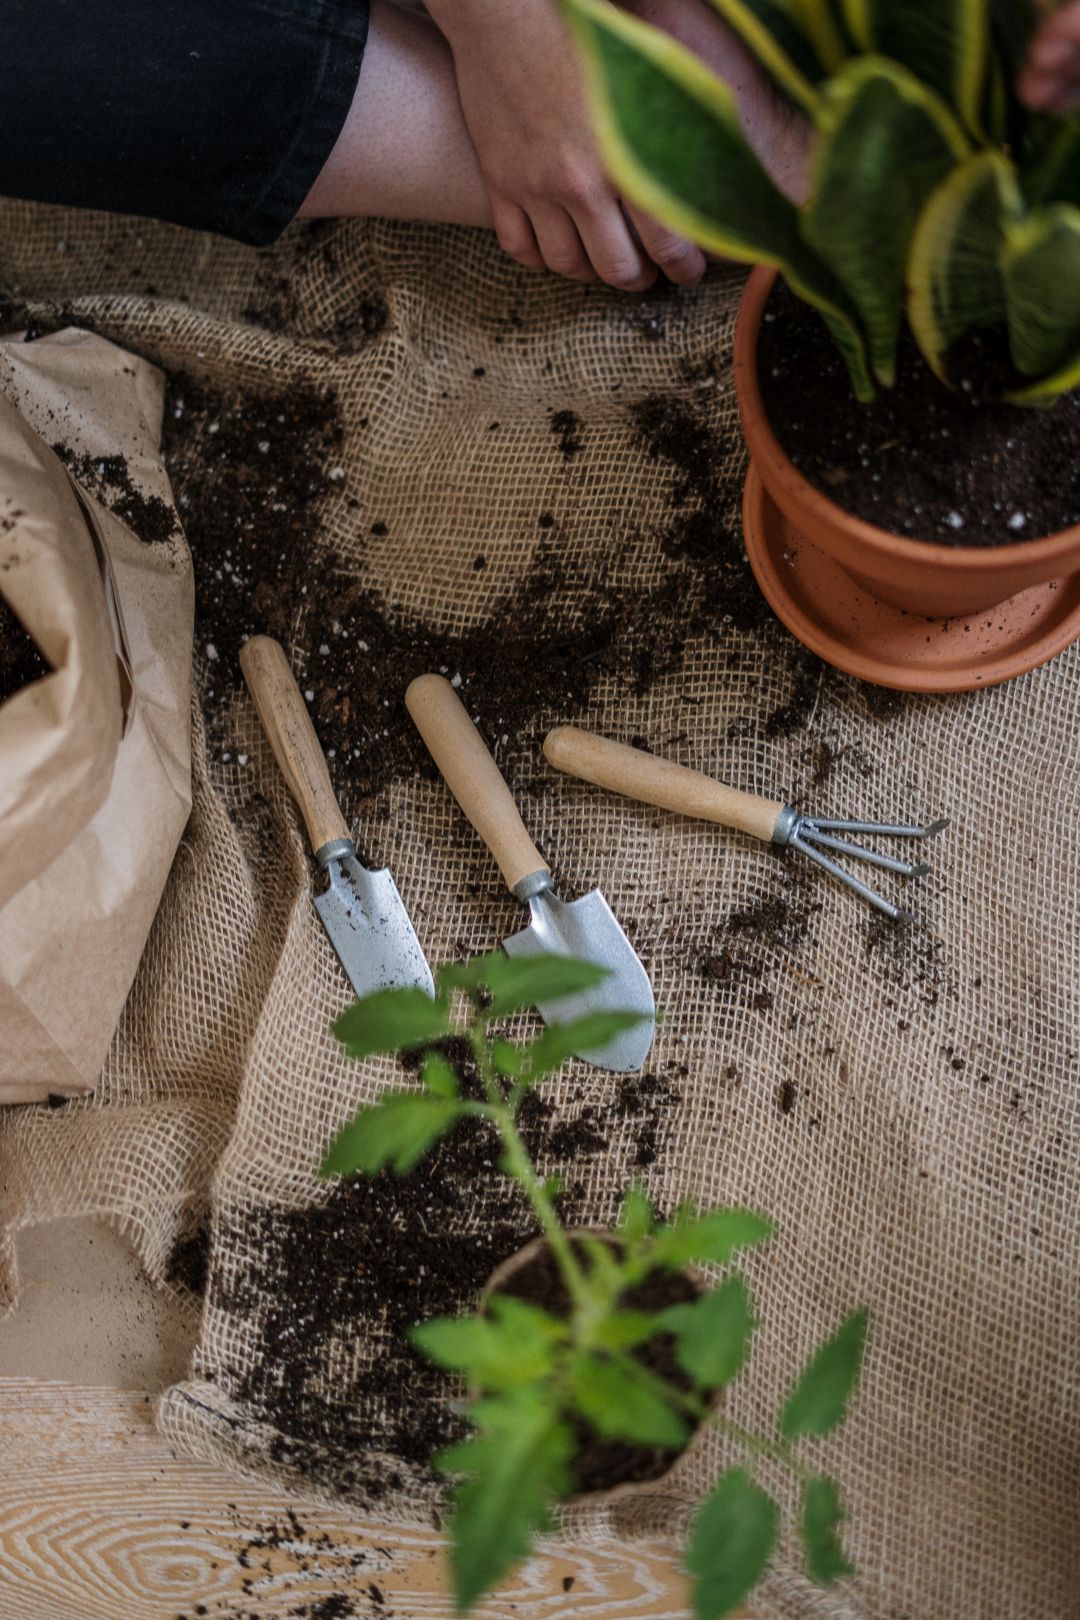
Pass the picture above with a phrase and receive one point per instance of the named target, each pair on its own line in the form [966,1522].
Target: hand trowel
[361,910]
[585,928]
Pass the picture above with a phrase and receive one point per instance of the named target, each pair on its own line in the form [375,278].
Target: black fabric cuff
[216,114]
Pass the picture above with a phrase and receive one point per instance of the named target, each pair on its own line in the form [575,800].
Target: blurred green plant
[934,193]
[538,1381]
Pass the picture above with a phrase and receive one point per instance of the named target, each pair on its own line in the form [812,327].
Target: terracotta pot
[923,578]
[515,1263]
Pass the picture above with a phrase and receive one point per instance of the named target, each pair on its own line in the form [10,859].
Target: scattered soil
[20,660]
[750,943]
[567,430]
[601,1464]
[109,481]
[252,473]
[276,1552]
[948,465]
[188,1264]
[381,1253]
[908,957]
[249,472]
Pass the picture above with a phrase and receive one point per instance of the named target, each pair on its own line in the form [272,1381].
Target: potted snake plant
[906,352]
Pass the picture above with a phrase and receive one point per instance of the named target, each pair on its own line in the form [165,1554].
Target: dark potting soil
[189,1261]
[601,1464]
[948,465]
[20,658]
[381,1253]
[252,473]
[108,479]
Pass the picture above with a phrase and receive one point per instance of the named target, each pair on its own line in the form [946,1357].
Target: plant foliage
[538,1381]
[934,194]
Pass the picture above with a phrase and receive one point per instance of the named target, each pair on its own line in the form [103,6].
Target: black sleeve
[218,114]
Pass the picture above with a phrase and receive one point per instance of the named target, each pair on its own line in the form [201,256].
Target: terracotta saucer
[825,609]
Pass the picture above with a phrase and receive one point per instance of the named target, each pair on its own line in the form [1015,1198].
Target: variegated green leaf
[818,22]
[877,121]
[771,31]
[954,275]
[670,137]
[1041,275]
[1054,175]
[944,42]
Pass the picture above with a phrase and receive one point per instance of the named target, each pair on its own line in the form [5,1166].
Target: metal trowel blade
[365,917]
[588,928]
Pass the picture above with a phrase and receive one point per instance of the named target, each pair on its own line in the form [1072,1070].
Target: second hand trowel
[585,928]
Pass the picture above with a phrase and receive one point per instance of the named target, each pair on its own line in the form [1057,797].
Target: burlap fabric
[905,1110]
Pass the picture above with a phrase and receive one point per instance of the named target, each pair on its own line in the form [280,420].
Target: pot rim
[766,448]
[631,1487]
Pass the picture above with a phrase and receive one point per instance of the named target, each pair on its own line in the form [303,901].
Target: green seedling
[537,1381]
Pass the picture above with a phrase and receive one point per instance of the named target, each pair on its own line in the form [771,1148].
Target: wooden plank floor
[99,1521]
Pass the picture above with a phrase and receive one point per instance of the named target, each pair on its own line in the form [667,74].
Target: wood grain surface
[99,1521]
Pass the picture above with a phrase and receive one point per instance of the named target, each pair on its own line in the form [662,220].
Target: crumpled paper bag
[95,763]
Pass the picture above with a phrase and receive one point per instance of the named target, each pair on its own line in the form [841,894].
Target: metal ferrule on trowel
[585,928]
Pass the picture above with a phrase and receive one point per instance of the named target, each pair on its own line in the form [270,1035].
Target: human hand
[523,96]
[1051,80]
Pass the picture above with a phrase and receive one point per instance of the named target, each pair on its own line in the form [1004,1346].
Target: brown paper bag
[95,767]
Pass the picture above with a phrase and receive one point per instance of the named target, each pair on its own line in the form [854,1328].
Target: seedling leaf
[508,1058]
[514,982]
[390,1021]
[515,1469]
[712,1335]
[621,1330]
[617,1399]
[516,1346]
[562,1041]
[819,1399]
[636,1215]
[821,1513]
[731,1542]
[397,1131]
[438,1076]
[714,1236]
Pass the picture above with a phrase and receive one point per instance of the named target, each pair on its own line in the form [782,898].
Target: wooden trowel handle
[642,776]
[287,724]
[472,776]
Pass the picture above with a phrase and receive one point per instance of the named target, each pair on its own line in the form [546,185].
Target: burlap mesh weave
[906,1110]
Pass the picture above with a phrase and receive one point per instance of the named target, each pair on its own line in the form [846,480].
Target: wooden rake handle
[642,776]
[288,726]
[473,776]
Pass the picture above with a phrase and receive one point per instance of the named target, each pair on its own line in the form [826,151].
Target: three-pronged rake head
[813,835]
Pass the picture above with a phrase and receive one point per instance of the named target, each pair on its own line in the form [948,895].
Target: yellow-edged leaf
[1054,175]
[945,42]
[885,144]
[772,33]
[954,274]
[669,133]
[818,23]
[1040,268]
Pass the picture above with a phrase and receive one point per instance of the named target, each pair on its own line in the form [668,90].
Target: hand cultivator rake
[642,776]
